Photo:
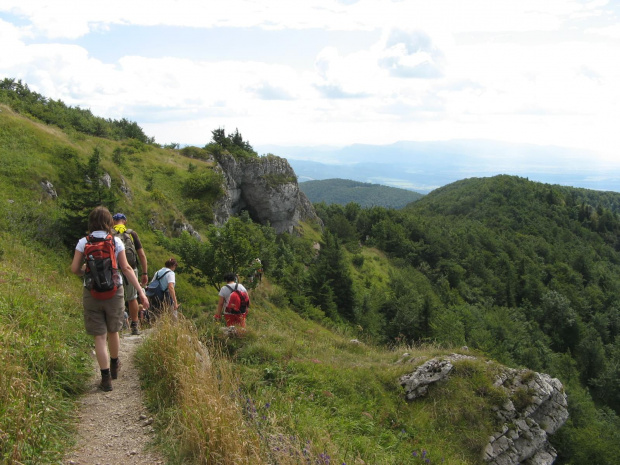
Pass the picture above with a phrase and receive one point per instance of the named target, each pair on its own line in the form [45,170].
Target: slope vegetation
[343,191]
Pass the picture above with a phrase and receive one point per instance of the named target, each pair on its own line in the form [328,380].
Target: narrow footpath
[115,427]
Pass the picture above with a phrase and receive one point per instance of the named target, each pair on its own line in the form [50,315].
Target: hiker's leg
[114,344]
[133,310]
[101,351]
[131,296]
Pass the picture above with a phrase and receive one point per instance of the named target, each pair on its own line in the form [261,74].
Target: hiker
[257,271]
[161,289]
[133,252]
[104,311]
[233,316]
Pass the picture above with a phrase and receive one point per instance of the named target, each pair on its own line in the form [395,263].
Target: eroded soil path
[114,427]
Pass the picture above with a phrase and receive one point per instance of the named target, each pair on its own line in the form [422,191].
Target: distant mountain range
[344,191]
[425,166]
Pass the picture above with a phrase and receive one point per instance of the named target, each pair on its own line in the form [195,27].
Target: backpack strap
[109,237]
[158,279]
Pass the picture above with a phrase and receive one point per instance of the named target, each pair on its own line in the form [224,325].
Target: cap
[119,216]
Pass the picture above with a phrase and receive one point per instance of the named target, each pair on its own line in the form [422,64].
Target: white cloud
[523,71]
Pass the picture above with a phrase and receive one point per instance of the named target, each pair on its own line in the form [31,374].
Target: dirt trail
[115,427]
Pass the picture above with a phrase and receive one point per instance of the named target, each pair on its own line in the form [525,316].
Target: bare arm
[77,263]
[144,279]
[131,277]
[173,294]
[220,304]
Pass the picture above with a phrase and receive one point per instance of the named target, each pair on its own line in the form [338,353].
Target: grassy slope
[43,348]
[305,389]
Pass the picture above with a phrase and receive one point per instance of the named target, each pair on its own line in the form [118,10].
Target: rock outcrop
[125,189]
[267,188]
[48,188]
[541,410]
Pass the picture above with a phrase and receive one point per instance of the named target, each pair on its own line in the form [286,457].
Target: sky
[330,72]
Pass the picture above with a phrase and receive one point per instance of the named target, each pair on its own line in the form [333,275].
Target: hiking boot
[106,382]
[114,367]
[134,329]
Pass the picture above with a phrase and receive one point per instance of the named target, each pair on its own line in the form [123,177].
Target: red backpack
[101,276]
[238,302]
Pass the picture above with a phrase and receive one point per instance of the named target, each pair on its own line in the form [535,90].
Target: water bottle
[117,278]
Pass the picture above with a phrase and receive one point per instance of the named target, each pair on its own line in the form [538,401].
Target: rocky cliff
[267,188]
[535,407]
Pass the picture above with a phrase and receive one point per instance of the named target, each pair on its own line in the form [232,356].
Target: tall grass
[206,415]
[199,394]
[43,348]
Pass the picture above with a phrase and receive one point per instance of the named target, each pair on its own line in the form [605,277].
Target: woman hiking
[98,258]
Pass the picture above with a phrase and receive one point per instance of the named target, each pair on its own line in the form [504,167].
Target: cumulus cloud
[441,69]
[411,55]
[333,91]
[267,91]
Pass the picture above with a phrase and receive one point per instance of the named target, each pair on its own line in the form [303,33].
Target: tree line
[22,99]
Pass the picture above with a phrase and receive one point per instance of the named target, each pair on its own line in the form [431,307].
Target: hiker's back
[239,300]
[102,276]
[125,235]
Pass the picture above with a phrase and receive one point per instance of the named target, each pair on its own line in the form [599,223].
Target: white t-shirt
[165,280]
[118,244]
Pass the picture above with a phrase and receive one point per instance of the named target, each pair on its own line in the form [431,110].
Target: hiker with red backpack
[234,302]
[100,259]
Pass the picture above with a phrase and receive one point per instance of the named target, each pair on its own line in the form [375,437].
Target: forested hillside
[528,272]
[524,273]
[343,191]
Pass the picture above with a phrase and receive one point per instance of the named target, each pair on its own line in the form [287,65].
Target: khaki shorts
[130,292]
[103,316]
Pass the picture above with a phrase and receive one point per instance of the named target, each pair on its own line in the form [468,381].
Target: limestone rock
[416,384]
[522,439]
[179,227]
[267,188]
[49,189]
[106,180]
[125,189]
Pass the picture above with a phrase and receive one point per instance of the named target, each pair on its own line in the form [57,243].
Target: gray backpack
[130,248]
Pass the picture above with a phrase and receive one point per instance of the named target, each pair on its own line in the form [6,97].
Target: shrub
[203,185]
[195,152]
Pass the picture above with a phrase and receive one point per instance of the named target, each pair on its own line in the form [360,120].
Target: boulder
[267,188]
[523,437]
[49,189]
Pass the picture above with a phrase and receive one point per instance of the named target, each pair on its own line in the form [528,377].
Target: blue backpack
[154,291]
